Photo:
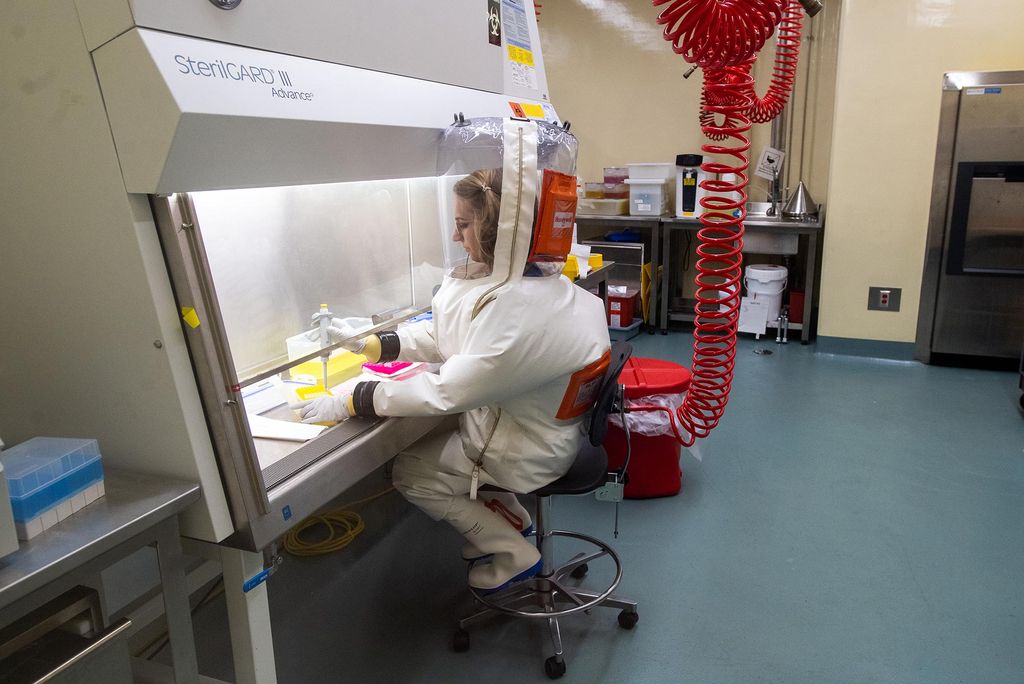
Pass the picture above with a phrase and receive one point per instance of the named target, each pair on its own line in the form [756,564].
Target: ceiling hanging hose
[723,37]
[787,55]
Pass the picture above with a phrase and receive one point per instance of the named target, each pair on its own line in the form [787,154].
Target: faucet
[774,193]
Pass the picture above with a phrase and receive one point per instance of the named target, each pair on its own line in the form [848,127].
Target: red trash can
[654,461]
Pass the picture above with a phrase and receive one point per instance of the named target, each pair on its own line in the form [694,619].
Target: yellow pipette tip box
[340,367]
[312,392]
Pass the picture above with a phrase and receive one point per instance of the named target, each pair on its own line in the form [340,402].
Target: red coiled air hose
[787,55]
[723,37]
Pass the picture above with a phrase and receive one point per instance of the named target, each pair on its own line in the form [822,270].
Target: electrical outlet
[884,298]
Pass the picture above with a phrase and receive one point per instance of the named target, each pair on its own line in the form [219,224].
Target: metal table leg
[666,291]
[249,617]
[176,603]
[652,295]
[812,260]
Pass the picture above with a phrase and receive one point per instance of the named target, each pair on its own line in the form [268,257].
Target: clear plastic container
[8,534]
[44,471]
[648,197]
[615,174]
[602,207]
[652,170]
[616,190]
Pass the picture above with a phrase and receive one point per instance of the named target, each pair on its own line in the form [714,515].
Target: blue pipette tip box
[55,475]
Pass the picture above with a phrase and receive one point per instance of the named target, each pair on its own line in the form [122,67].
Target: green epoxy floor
[852,520]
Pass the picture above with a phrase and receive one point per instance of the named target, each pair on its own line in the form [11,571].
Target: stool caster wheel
[579,572]
[460,641]
[628,620]
[554,667]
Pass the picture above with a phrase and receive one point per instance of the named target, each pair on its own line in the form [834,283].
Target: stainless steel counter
[136,511]
[597,278]
[342,456]
[662,227]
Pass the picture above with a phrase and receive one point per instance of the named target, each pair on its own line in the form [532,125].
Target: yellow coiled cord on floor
[342,527]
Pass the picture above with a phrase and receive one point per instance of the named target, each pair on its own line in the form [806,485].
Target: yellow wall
[892,55]
[616,79]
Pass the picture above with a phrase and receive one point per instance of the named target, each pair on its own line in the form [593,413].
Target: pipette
[323,319]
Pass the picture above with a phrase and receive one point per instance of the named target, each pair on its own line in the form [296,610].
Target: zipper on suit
[474,479]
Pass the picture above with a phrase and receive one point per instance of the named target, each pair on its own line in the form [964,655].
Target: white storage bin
[656,170]
[648,197]
[602,207]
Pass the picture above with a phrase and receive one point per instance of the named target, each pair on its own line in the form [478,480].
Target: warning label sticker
[517,42]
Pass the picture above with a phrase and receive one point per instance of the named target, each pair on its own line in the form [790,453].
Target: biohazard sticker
[494,22]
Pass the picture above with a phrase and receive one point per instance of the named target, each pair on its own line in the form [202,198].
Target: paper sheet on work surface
[269,428]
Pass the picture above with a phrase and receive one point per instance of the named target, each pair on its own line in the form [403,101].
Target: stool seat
[588,472]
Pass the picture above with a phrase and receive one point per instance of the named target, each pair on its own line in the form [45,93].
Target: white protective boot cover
[492,535]
[505,504]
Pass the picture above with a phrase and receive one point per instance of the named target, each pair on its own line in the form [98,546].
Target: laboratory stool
[552,594]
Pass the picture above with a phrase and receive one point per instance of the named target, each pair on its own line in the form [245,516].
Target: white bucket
[767,282]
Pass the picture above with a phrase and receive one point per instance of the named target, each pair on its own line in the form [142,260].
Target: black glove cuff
[362,399]
[389,346]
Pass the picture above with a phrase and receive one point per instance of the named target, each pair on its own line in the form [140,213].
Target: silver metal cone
[801,205]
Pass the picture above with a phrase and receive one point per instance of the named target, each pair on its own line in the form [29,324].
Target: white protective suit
[509,346]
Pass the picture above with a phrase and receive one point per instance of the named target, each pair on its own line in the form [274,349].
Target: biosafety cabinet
[186,183]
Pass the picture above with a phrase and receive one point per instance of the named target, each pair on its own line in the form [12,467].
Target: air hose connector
[812,7]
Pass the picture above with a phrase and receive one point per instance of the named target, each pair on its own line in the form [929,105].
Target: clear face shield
[497,177]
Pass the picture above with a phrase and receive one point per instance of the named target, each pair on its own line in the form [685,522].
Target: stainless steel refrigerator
[972,298]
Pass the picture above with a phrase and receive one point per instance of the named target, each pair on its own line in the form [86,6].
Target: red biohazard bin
[621,309]
[654,461]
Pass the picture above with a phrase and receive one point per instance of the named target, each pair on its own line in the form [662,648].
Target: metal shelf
[682,317]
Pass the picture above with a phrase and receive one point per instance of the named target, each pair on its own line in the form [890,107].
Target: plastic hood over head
[473,155]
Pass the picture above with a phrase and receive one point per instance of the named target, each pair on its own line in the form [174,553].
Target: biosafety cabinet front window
[277,254]
[262,273]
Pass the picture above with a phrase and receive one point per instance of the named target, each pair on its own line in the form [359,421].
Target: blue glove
[324,409]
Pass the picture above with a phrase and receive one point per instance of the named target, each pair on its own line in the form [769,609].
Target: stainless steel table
[136,511]
[651,223]
[597,278]
[755,223]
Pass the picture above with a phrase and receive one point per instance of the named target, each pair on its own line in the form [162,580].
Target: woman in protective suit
[520,347]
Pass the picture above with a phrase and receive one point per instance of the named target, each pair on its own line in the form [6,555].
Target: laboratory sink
[758,208]
[757,212]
